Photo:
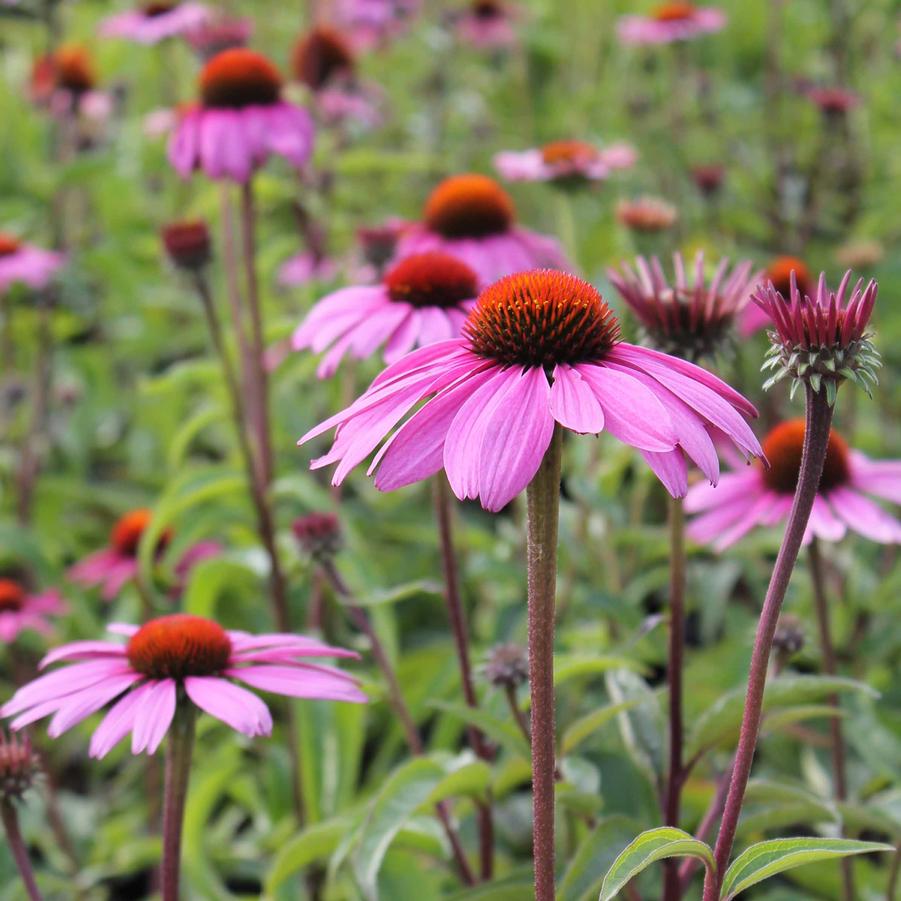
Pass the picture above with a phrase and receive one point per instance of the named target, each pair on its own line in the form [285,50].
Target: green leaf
[642,727]
[768,858]
[314,843]
[587,725]
[408,787]
[472,779]
[585,873]
[401,593]
[568,666]
[513,887]
[650,846]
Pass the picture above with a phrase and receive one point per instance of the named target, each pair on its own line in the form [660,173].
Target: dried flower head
[646,214]
[19,766]
[691,318]
[821,339]
[319,534]
[507,666]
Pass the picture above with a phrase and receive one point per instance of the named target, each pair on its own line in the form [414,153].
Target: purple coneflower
[565,162]
[155,22]
[26,264]
[21,609]
[671,22]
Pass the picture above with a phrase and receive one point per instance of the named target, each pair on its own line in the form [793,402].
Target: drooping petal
[82,704]
[154,716]
[118,722]
[671,469]
[573,403]
[299,683]
[864,516]
[234,706]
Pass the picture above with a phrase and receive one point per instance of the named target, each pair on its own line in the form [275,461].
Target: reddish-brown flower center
[8,245]
[12,595]
[568,153]
[187,243]
[779,273]
[179,645]
[487,9]
[469,206]
[541,318]
[674,12]
[320,55]
[783,447]
[126,534]
[70,68]
[151,10]
[239,77]
[432,279]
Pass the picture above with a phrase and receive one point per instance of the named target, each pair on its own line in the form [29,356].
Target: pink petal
[82,704]
[864,517]
[82,650]
[118,722]
[154,716]
[234,706]
[632,412]
[515,436]
[671,469]
[573,404]
[299,683]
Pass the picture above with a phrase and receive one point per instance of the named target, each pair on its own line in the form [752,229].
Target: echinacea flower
[646,214]
[691,317]
[472,217]
[187,244]
[487,24]
[422,299]
[318,534]
[539,348]
[860,254]
[20,609]
[671,22]
[378,245]
[65,83]
[833,101]
[762,496]
[779,271]
[307,266]
[821,339]
[20,766]
[567,163]
[151,23]
[26,264]
[241,120]
[117,564]
[708,178]
[374,22]
[171,660]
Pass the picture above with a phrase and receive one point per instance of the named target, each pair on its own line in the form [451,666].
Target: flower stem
[396,698]
[672,890]
[457,615]
[175,792]
[543,495]
[813,456]
[830,667]
[17,848]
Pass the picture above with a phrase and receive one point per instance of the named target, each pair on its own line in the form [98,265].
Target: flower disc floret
[237,78]
[321,55]
[783,446]
[541,318]
[179,645]
[126,533]
[469,206]
[12,595]
[8,245]
[431,279]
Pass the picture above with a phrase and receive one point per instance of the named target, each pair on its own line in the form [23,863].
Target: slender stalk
[29,465]
[457,615]
[711,815]
[830,667]
[671,891]
[816,437]
[894,874]
[518,716]
[361,620]
[17,848]
[543,496]
[175,792]
[258,377]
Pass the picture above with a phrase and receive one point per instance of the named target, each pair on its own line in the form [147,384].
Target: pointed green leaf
[768,858]
[498,730]
[587,725]
[650,846]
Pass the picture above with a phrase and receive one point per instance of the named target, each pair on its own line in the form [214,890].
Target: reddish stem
[178,770]
[17,848]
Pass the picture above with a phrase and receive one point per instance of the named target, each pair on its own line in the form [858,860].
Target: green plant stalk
[830,667]
[543,496]
[813,456]
[178,769]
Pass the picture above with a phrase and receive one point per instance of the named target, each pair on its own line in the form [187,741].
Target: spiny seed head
[821,339]
[187,244]
[19,766]
[431,279]
[321,55]
[541,318]
[319,534]
[782,448]
[689,317]
[179,645]
[507,666]
[469,206]
[239,77]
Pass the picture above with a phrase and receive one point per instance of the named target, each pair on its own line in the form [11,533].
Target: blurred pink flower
[472,218]
[424,298]
[371,23]
[155,22]
[170,660]
[26,264]
[240,121]
[488,24]
[21,609]
[538,348]
[195,554]
[307,267]
[217,33]
[567,162]
[762,496]
[833,100]
[671,22]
